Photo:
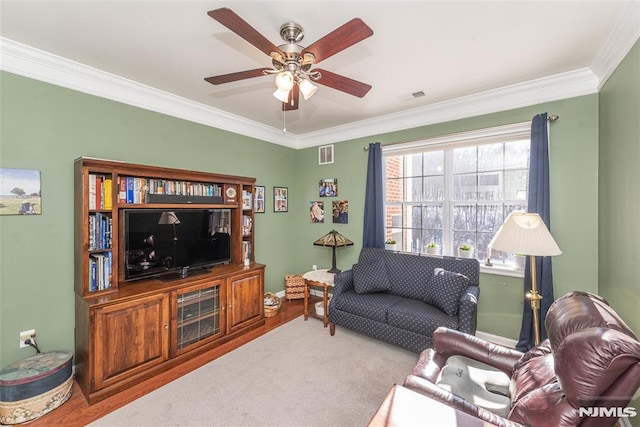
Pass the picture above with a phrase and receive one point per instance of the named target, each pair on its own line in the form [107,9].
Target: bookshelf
[129,330]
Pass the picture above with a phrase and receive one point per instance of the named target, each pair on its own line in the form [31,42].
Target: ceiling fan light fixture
[284,81]
[281,95]
[307,88]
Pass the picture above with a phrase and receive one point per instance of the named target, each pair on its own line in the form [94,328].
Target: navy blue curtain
[538,203]
[373,233]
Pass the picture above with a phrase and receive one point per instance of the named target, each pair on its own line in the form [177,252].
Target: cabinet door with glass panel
[198,316]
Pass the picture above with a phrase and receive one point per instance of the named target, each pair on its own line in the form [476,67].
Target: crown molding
[40,65]
[553,88]
[624,34]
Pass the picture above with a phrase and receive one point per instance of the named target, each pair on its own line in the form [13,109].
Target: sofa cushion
[371,306]
[477,382]
[419,317]
[445,290]
[371,277]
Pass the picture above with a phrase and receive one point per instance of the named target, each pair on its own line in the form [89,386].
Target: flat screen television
[173,242]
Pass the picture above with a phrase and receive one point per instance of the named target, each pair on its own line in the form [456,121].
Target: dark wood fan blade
[339,39]
[232,21]
[232,77]
[294,99]
[344,84]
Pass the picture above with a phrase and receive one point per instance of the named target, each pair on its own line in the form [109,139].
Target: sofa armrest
[449,342]
[426,387]
[468,310]
[343,282]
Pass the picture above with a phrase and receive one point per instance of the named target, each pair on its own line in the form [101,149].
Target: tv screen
[161,241]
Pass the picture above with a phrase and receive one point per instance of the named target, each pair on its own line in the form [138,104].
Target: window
[456,190]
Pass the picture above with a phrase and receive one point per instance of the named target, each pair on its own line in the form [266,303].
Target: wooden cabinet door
[130,337]
[245,299]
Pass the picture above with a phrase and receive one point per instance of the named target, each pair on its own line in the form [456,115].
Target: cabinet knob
[166,327]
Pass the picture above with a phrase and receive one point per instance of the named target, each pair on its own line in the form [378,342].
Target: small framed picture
[280,199]
[20,192]
[316,212]
[328,187]
[340,211]
[258,199]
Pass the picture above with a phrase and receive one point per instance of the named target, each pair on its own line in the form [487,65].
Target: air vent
[410,96]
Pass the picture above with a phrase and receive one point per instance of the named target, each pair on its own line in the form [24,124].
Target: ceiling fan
[291,62]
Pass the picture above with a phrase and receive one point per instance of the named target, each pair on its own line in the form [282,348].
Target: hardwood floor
[77,412]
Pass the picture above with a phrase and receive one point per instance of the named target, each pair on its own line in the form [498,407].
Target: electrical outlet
[25,335]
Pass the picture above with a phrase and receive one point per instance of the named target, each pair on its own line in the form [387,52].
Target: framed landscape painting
[20,192]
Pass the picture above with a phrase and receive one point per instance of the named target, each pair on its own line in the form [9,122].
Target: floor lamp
[527,234]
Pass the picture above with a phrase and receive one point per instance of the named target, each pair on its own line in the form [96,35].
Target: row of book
[100,231]
[100,271]
[134,190]
[100,192]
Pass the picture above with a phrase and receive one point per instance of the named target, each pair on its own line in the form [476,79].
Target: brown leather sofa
[591,360]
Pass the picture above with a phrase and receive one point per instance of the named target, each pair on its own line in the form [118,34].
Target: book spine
[92,191]
[129,189]
[122,190]
[108,194]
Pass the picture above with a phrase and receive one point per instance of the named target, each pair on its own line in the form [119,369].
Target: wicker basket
[293,286]
[272,310]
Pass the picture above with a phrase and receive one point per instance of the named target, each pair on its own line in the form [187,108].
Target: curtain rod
[550,118]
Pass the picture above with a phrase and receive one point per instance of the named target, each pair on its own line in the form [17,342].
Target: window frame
[447,143]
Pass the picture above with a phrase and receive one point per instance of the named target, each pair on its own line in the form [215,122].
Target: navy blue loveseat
[401,298]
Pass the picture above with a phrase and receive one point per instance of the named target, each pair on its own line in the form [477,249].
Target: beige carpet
[296,375]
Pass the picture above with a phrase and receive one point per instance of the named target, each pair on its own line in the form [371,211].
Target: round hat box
[34,386]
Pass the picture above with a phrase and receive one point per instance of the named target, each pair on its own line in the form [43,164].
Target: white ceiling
[469,57]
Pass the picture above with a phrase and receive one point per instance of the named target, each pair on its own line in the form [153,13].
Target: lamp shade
[333,238]
[284,80]
[168,218]
[307,88]
[526,234]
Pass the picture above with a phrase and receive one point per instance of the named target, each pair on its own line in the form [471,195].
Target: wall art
[280,199]
[20,192]
[340,211]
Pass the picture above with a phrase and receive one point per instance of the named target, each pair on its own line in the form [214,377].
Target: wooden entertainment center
[130,330]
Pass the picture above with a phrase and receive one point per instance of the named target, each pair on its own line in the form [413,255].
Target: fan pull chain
[284,121]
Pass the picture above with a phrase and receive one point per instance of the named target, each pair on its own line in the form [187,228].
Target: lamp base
[334,270]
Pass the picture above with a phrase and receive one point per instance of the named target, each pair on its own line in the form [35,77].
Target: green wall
[45,127]
[619,202]
[574,205]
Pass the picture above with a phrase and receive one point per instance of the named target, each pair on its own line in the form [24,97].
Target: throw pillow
[445,290]
[371,277]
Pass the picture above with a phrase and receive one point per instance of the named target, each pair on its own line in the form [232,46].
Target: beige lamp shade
[526,234]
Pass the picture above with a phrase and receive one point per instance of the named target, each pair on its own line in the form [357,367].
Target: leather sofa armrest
[449,342]
[426,387]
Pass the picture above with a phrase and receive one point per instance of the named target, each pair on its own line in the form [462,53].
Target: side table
[321,279]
